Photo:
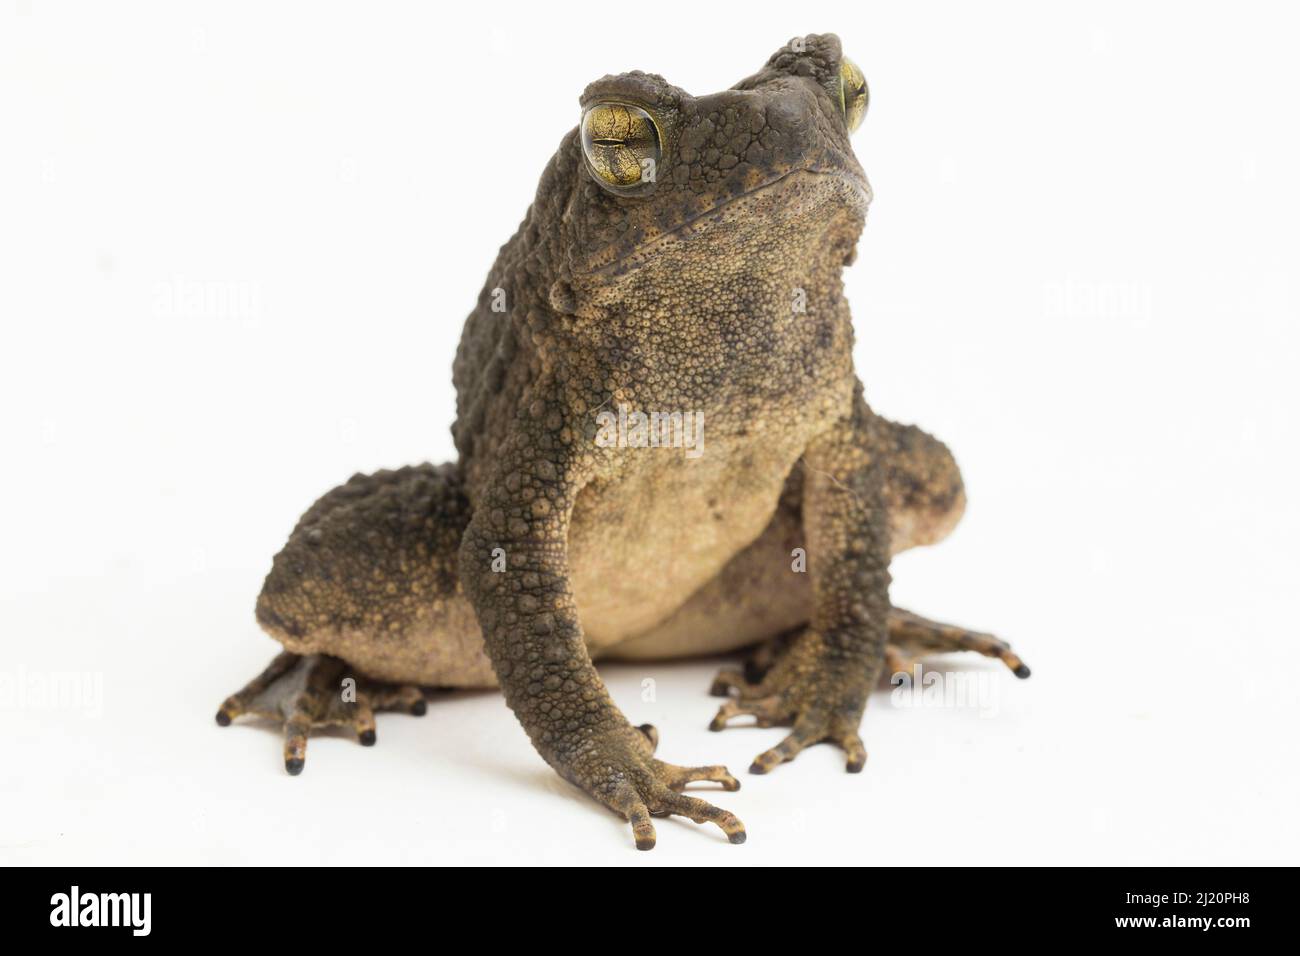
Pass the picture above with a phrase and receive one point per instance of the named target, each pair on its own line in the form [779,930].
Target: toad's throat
[857,197]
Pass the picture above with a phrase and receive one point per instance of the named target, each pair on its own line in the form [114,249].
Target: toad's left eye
[853,93]
[621,143]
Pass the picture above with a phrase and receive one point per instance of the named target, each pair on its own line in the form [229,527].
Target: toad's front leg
[514,566]
[820,686]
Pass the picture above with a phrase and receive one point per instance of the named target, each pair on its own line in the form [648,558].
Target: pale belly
[641,545]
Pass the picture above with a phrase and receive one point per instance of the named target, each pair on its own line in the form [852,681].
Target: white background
[1079,270]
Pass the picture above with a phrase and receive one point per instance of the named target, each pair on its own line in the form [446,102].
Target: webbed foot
[819,697]
[304,693]
[619,769]
[783,684]
[912,635]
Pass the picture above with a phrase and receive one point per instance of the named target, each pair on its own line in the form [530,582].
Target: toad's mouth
[631,254]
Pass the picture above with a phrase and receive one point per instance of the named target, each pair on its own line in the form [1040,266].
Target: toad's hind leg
[316,690]
[912,635]
[363,597]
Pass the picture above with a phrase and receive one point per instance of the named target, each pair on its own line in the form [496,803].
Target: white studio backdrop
[237,244]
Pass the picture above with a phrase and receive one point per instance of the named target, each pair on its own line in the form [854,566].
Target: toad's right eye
[621,143]
[853,93]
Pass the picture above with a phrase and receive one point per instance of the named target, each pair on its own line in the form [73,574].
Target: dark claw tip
[419,709]
[720,689]
[223,719]
[367,738]
[294,765]
[855,766]
[1022,672]
[757,767]
[646,843]
[737,838]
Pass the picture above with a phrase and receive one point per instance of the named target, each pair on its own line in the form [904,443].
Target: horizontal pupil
[607,142]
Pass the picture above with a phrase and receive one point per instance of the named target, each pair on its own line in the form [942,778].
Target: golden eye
[853,93]
[621,143]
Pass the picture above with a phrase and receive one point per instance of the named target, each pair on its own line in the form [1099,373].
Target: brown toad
[664,451]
